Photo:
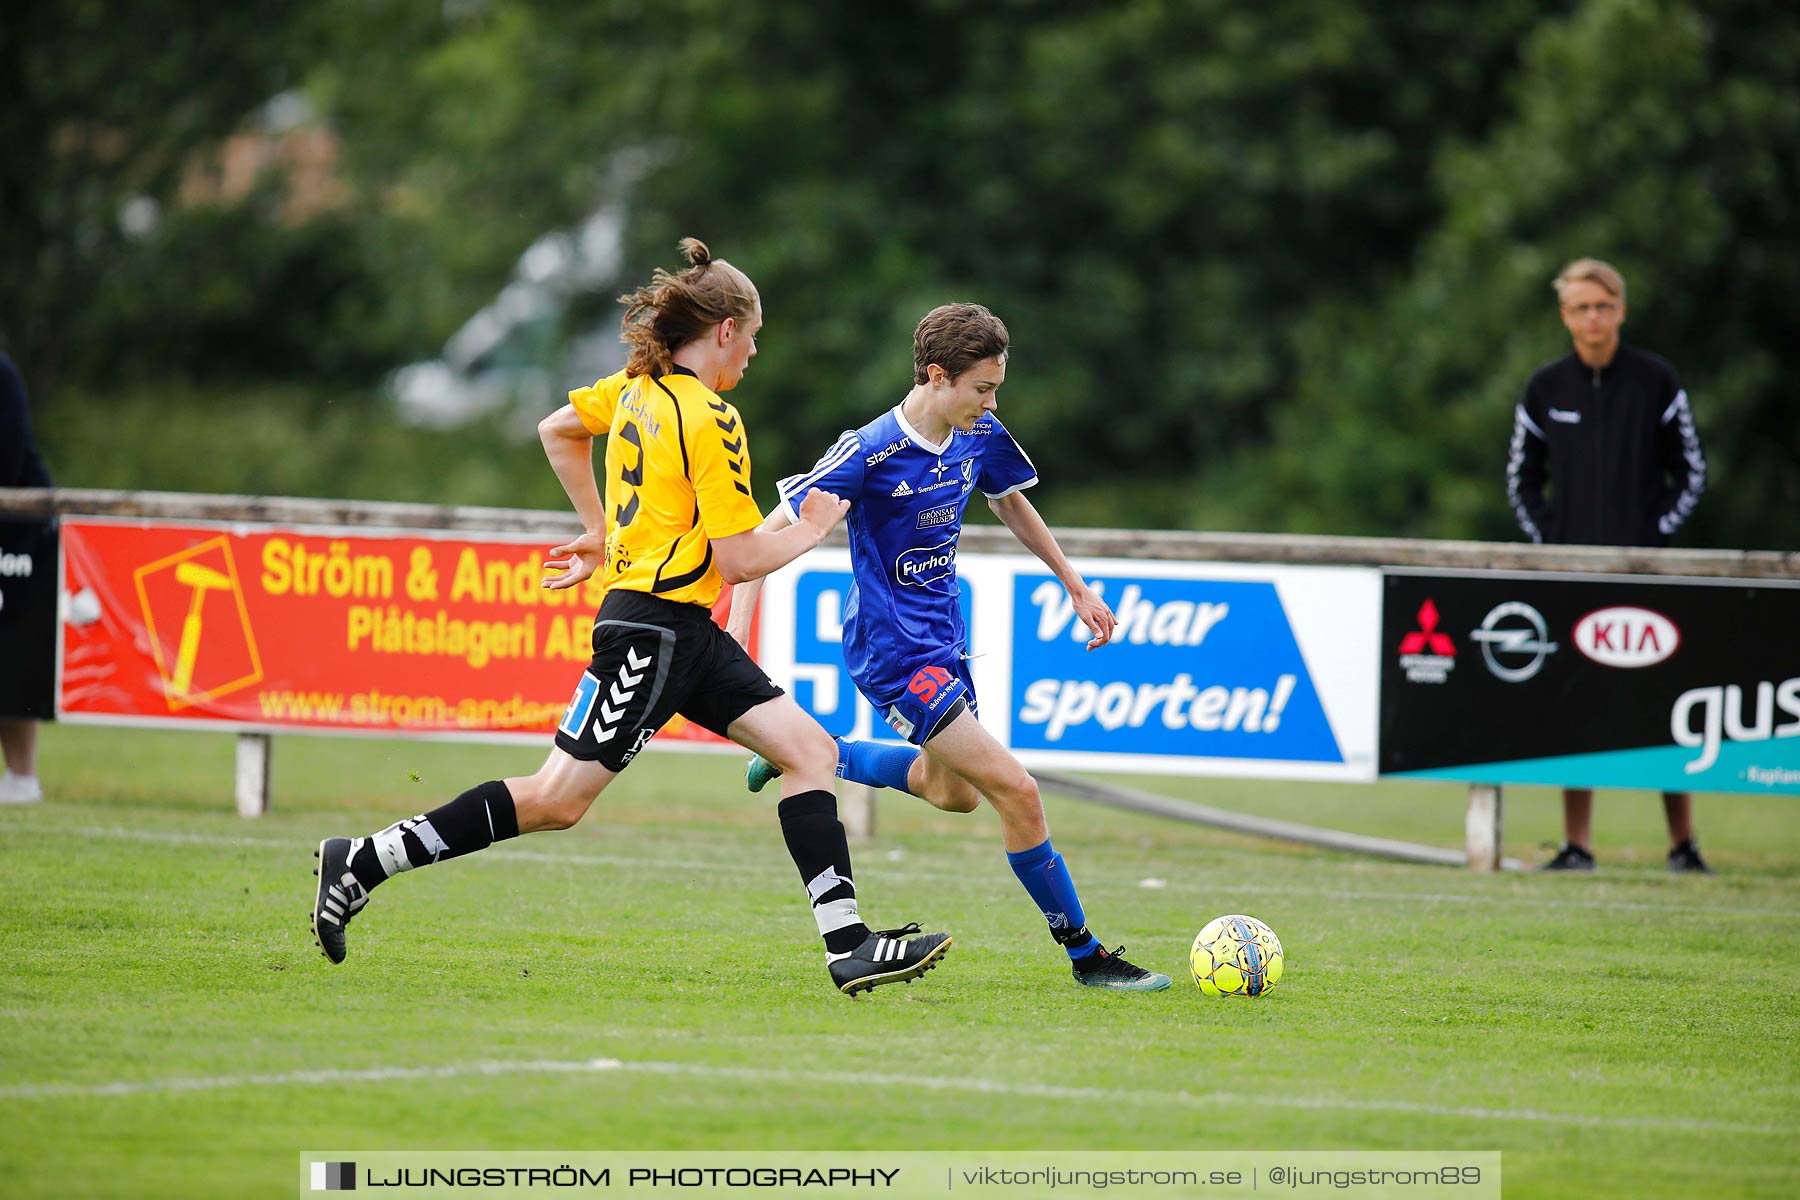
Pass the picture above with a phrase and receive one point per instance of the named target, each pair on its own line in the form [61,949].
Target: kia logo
[1626,637]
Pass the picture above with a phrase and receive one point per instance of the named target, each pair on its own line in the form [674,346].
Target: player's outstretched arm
[1018,515]
[745,595]
[570,448]
[756,552]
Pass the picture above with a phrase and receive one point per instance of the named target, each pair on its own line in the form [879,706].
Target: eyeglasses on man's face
[1603,308]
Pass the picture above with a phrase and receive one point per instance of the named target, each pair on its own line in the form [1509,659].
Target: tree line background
[1277,267]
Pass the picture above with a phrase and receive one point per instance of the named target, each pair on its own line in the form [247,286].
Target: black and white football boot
[889,956]
[339,897]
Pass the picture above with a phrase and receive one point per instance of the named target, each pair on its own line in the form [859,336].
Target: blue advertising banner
[1198,667]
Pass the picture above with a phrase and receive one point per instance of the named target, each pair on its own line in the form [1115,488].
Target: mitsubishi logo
[1427,637]
[1426,655]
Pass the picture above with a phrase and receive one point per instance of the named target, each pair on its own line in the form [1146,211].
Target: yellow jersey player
[677,521]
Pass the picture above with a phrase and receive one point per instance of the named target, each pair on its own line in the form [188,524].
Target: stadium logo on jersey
[931,518]
[1566,416]
[1626,637]
[922,565]
[905,489]
[1512,641]
[1426,655]
[882,455]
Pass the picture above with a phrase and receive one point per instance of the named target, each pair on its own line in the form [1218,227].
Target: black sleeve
[1526,468]
[15,426]
[1683,462]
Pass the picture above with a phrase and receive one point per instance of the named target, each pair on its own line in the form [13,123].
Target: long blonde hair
[673,310]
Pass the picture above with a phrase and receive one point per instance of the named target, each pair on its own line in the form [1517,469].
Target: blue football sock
[1042,870]
[876,764]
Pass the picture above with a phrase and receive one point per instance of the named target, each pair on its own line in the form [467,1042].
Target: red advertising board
[303,628]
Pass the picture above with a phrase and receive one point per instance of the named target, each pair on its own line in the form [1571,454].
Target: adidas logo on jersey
[905,489]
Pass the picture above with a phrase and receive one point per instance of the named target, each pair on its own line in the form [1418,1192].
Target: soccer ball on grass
[1236,956]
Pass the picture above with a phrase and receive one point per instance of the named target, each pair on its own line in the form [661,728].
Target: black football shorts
[654,658]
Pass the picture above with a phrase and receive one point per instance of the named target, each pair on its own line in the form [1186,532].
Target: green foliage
[104,101]
[271,301]
[1274,267]
[1631,140]
[287,442]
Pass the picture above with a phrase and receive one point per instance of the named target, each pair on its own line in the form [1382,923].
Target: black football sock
[473,821]
[816,842]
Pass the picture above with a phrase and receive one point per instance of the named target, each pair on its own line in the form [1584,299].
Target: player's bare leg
[970,752]
[559,794]
[966,752]
[802,754]
[934,781]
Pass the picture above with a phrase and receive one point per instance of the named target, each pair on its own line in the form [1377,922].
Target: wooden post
[253,753]
[856,809]
[1481,827]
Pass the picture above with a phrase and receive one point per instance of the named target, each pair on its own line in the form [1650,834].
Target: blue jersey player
[908,475]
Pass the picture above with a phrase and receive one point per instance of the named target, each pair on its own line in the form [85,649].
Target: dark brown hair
[956,337]
[673,310]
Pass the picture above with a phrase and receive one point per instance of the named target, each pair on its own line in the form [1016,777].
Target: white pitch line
[327,1075]
[815,1080]
[886,872]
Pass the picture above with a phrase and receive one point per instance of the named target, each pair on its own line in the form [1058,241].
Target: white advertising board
[1216,669]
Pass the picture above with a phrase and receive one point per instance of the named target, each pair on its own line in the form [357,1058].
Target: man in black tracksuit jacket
[1610,426]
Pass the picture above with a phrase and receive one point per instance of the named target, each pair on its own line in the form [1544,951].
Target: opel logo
[1512,641]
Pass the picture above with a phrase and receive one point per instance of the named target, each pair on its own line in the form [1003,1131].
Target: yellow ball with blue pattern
[1236,956]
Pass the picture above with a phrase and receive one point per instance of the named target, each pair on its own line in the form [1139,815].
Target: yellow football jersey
[677,476]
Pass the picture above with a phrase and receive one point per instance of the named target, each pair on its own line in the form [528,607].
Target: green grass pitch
[1626,1034]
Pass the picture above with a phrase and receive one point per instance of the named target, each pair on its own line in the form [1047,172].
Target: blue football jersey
[906,507]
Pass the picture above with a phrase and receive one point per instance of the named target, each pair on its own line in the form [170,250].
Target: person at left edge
[20,466]
[678,520]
